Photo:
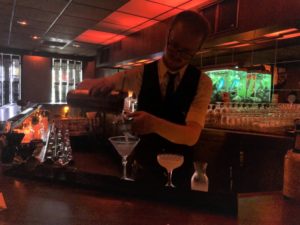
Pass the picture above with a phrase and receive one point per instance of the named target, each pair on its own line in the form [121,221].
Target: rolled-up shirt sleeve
[128,80]
[198,108]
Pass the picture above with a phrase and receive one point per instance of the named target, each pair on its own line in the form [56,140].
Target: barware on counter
[170,162]
[199,180]
[124,146]
[59,146]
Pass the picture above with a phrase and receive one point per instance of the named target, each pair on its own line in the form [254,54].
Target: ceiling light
[168,14]
[76,45]
[280,32]
[22,22]
[56,47]
[196,3]
[149,61]
[124,19]
[287,36]
[203,51]
[98,37]
[144,9]
[58,40]
[228,43]
[144,25]
[34,37]
[114,39]
[142,60]
[172,3]
[137,64]
[239,46]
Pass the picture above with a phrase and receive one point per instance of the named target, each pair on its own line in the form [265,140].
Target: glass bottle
[199,180]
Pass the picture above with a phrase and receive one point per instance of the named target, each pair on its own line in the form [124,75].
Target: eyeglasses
[184,54]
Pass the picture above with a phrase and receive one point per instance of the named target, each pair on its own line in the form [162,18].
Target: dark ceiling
[53,21]
[58,23]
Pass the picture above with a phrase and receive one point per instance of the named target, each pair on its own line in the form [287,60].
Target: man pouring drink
[173,97]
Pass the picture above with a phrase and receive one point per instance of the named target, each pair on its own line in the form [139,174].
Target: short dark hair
[197,23]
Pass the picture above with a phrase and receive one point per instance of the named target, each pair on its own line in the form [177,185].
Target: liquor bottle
[130,103]
[122,121]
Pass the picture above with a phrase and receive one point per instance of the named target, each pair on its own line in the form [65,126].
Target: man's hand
[96,87]
[142,123]
[146,123]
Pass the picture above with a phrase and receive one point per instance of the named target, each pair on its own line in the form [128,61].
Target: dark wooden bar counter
[36,203]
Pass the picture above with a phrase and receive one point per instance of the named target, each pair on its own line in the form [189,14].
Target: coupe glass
[170,162]
[124,146]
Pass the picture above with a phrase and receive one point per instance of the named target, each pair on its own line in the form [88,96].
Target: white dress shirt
[131,80]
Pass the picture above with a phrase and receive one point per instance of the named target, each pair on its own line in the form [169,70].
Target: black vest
[174,110]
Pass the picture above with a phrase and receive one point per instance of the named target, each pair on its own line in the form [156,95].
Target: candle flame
[130,93]
[66,109]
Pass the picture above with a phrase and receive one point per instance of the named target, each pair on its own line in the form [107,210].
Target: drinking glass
[170,162]
[124,146]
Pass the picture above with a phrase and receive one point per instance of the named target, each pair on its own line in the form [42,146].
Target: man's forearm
[178,134]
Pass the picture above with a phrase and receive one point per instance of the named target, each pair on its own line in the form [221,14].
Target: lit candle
[66,111]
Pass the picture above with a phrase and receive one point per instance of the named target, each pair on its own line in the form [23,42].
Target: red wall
[88,69]
[36,77]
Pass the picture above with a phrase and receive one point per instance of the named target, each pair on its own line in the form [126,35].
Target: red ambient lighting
[96,37]
[144,25]
[114,39]
[228,43]
[194,3]
[280,32]
[168,14]
[172,3]
[288,36]
[239,46]
[110,27]
[36,58]
[124,19]
[144,8]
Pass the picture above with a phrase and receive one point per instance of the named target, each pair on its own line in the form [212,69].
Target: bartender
[173,97]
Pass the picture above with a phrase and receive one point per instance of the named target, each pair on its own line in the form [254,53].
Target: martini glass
[124,146]
[170,162]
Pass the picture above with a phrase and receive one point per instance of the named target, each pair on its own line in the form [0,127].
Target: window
[66,74]
[10,78]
